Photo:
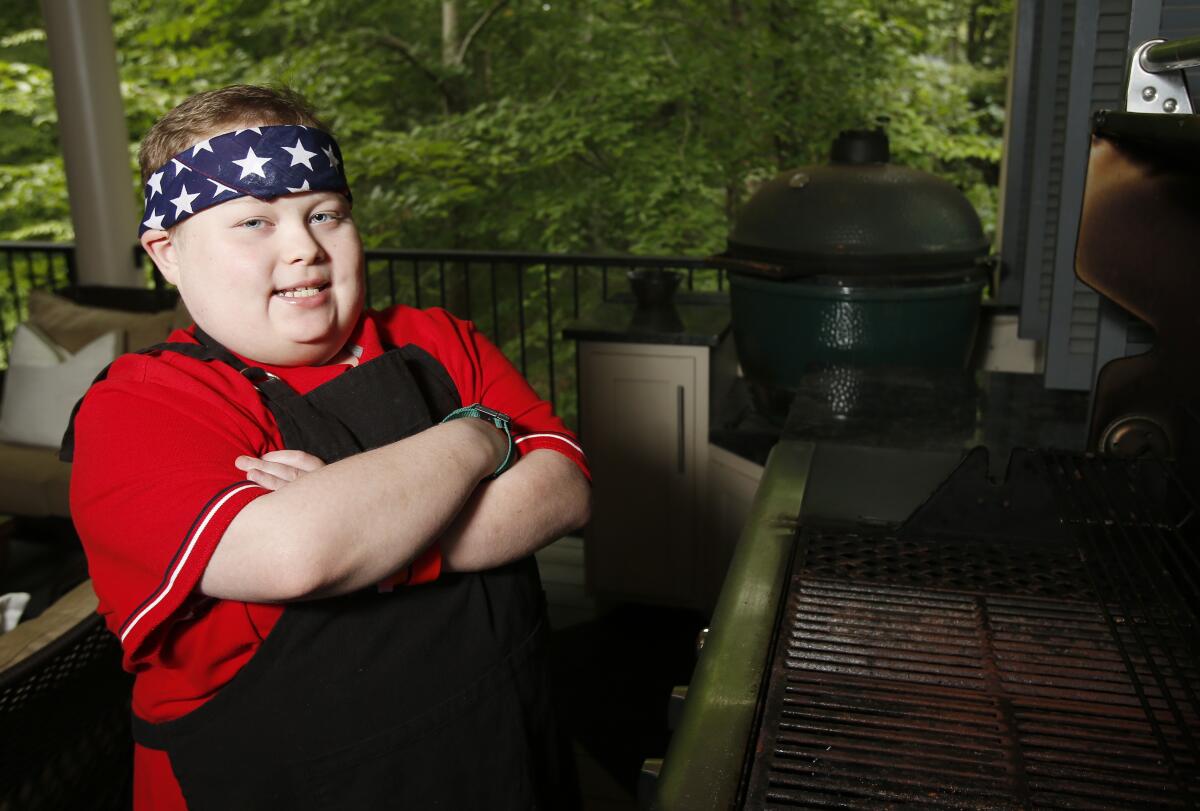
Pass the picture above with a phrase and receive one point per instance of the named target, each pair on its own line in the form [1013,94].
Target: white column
[95,142]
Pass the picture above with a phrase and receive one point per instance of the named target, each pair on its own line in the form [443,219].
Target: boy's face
[279,282]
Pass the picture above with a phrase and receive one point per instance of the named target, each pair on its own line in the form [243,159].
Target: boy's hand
[277,468]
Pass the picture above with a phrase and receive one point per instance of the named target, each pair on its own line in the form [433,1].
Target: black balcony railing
[26,266]
[520,301]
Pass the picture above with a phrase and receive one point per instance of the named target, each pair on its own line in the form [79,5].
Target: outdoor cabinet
[644,423]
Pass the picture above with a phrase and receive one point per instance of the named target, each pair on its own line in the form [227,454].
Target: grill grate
[946,672]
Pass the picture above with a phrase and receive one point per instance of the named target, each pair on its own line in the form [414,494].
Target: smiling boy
[311,525]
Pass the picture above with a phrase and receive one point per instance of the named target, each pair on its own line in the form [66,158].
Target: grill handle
[1156,82]
[1176,54]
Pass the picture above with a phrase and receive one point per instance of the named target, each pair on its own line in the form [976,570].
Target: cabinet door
[639,424]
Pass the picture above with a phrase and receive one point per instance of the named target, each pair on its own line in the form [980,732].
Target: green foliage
[605,126]
[598,125]
[33,200]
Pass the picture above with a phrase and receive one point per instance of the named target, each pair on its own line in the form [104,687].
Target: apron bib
[430,696]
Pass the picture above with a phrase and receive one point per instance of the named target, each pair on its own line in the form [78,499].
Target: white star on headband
[252,164]
[179,167]
[236,133]
[155,183]
[221,188]
[333,161]
[303,186]
[300,155]
[203,146]
[184,202]
[154,223]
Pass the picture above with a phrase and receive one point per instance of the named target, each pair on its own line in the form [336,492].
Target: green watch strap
[500,420]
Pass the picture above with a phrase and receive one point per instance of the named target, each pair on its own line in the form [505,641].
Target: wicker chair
[64,711]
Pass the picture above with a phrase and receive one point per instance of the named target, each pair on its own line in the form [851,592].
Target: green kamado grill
[859,263]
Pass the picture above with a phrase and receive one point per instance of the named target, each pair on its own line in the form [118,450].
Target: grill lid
[859,215]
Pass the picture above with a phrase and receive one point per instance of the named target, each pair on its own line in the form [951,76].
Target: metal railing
[26,266]
[521,301]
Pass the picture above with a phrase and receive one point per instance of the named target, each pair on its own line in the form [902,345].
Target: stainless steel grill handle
[1156,80]
[1176,54]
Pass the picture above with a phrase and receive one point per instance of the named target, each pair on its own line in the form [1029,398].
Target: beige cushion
[73,326]
[33,481]
[33,347]
[38,397]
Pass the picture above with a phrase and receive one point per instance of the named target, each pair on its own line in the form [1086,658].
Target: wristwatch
[497,418]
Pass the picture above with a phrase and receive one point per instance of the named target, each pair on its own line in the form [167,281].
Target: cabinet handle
[680,442]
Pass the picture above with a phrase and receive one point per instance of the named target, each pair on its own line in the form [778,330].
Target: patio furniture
[64,709]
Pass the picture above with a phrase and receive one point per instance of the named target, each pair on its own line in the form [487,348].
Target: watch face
[496,415]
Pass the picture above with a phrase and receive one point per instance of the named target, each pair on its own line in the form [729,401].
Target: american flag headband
[262,162]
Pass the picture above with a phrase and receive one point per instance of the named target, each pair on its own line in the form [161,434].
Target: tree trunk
[450,40]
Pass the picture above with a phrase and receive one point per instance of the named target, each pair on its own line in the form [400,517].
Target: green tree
[601,125]
[33,200]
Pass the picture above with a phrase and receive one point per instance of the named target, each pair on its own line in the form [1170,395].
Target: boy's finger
[264,479]
[280,471]
[298,459]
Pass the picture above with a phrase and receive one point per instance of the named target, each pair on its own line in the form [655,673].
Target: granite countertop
[691,320]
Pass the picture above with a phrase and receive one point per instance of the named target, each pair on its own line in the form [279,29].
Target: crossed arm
[331,529]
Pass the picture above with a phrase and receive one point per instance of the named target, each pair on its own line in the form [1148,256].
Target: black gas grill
[1053,664]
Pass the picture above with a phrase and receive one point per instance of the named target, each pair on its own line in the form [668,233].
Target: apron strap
[147,734]
[291,411]
[272,388]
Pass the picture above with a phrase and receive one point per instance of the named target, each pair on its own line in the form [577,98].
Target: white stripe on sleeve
[559,437]
[183,559]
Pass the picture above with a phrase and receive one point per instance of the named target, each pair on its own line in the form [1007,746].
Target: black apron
[430,696]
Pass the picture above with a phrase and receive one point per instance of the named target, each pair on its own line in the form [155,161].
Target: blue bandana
[262,162]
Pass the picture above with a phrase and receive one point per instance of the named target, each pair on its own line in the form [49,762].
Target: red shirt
[153,487]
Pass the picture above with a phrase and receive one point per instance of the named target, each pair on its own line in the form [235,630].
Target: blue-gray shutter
[1020,139]
[1097,81]
[1027,252]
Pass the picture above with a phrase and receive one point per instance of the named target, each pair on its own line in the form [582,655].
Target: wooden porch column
[95,141]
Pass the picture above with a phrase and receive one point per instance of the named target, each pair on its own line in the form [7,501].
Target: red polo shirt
[153,488]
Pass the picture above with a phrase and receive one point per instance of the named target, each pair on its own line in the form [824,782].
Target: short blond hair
[216,111]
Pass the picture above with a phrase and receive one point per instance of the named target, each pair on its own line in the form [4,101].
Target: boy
[311,526]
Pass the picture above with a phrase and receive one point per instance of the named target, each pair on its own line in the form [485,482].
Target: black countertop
[913,409]
[695,319]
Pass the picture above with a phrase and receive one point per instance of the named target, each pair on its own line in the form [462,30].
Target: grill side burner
[943,665]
